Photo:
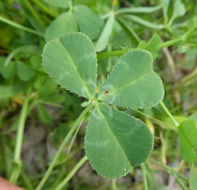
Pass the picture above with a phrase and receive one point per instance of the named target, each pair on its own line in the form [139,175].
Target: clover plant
[115,141]
[102,53]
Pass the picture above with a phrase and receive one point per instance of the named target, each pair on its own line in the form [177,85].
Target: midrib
[130,83]
[117,142]
[74,66]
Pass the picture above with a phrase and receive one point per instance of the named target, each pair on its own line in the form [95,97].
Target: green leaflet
[188,141]
[103,40]
[132,82]
[9,91]
[88,22]
[178,11]
[188,128]
[165,6]
[115,142]
[59,3]
[24,72]
[187,152]
[153,45]
[43,114]
[62,25]
[71,62]
[193,117]
[6,71]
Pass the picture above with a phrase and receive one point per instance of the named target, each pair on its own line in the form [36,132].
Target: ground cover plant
[98,94]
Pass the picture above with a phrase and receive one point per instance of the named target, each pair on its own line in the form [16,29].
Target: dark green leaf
[62,25]
[132,82]
[71,62]
[115,142]
[6,70]
[24,72]
[188,129]
[152,46]
[88,22]
[9,91]
[187,152]
[44,115]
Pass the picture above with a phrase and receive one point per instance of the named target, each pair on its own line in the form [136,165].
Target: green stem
[170,42]
[34,13]
[62,146]
[113,183]
[26,181]
[169,114]
[16,25]
[107,54]
[72,173]
[44,8]
[114,53]
[179,182]
[171,171]
[19,140]
[129,29]
[144,176]
[73,139]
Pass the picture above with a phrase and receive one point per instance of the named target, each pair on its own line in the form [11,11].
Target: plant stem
[26,181]
[113,182]
[34,13]
[72,173]
[144,176]
[45,8]
[73,139]
[107,54]
[169,114]
[170,42]
[179,182]
[19,140]
[11,23]
[62,146]
[114,53]
[170,170]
